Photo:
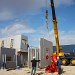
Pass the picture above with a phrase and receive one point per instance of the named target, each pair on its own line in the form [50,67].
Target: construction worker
[59,65]
[34,64]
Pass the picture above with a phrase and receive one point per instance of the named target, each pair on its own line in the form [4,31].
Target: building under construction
[24,54]
[19,43]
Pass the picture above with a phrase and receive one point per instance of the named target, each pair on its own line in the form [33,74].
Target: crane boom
[55,26]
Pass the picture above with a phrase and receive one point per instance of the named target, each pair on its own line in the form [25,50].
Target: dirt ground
[67,70]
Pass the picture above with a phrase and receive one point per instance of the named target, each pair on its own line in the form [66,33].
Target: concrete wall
[46,49]
[24,42]
[20,44]
[22,59]
[32,52]
[17,42]
[5,54]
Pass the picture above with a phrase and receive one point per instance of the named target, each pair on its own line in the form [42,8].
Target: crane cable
[46,16]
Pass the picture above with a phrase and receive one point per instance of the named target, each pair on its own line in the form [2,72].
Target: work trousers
[33,71]
[59,70]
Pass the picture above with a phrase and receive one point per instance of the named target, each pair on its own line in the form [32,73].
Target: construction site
[17,52]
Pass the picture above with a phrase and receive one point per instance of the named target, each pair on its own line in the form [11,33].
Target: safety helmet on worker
[33,57]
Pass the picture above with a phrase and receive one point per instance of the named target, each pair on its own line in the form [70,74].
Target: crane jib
[53,10]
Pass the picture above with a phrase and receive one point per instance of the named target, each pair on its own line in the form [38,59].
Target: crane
[66,59]
[58,48]
[55,26]
[52,67]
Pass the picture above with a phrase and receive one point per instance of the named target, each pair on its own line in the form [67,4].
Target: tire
[64,62]
[72,61]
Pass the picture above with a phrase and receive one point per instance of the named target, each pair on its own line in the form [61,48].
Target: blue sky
[27,17]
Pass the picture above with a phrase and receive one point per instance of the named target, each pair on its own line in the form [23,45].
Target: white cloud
[35,35]
[65,37]
[16,28]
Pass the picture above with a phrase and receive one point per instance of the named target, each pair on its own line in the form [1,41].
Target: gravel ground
[67,70]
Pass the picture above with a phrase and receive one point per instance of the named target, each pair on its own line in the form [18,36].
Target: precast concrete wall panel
[45,52]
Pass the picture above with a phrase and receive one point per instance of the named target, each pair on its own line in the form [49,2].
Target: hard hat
[33,57]
[57,57]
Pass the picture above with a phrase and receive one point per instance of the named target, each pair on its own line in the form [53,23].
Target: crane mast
[55,26]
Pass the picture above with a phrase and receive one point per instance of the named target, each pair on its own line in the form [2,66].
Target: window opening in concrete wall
[8,58]
[11,44]
[2,44]
[33,52]
[24,41]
